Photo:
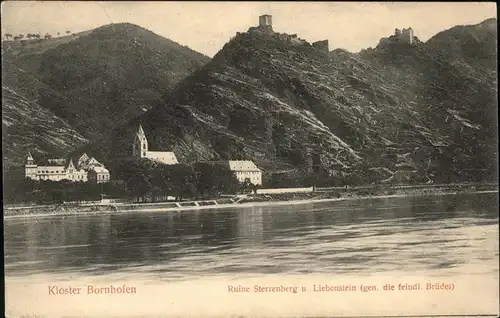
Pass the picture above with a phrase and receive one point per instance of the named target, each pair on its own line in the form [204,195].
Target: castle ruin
[406,35]
[266,27]
[321,45]
[265,20]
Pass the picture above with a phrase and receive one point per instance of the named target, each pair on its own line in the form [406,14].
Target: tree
[246,184]
[68,31]
[7,36]
[254,187]
[137,176]
[214,179]
[20,36]
[204,176]
[47,36]
[162,179]
[183,181]
[139,184]
[225,179]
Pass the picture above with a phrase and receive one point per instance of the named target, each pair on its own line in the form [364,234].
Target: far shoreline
[107,209]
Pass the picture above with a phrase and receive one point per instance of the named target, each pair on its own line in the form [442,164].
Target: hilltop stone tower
[140,144]
[266,20]
[407,35]
[404,36]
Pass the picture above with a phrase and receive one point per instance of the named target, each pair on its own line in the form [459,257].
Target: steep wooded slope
[426,108]
[92,81]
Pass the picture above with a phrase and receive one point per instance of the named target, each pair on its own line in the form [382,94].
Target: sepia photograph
[250,159]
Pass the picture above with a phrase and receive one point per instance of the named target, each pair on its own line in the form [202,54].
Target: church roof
[140,132]
[30,157]
[164,156]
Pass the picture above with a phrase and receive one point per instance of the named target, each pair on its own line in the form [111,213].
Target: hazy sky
[206,26]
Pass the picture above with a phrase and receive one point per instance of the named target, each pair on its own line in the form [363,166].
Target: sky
[206,26]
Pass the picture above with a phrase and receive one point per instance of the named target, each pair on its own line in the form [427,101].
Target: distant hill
[92,81]
[428,108]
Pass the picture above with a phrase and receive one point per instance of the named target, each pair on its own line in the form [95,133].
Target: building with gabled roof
[96,171]
[83,159]
[98,174]
[244,169]
[75,174]
[61,169]
[140,149]
[55,170]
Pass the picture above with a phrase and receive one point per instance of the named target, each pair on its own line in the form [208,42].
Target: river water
[441,237]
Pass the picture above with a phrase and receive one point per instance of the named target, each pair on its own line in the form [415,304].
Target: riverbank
[250,201]
[372,192]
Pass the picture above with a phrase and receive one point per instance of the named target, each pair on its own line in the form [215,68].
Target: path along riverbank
[249,201]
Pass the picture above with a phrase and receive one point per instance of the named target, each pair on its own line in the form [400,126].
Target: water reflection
[251,227]
[363,236]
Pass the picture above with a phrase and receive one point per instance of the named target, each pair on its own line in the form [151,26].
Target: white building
[75,174]
[140,150]
[98,175]
[61,169]
[96,172]
[245,169]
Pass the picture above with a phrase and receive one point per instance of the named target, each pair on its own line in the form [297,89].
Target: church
[140,149]
[243,169]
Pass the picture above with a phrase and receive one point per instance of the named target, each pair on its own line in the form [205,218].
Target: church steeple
[140,144]
[29,159]
[30,167]
[140,132]
[71,166]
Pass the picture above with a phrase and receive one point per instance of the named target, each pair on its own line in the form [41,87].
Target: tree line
[145,179]
[141,180]
[24,190]
[19,37]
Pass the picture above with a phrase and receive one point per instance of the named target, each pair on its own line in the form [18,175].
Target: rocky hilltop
[426,108]
[84,85]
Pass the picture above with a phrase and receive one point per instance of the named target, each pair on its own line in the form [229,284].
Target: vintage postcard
[250,159]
